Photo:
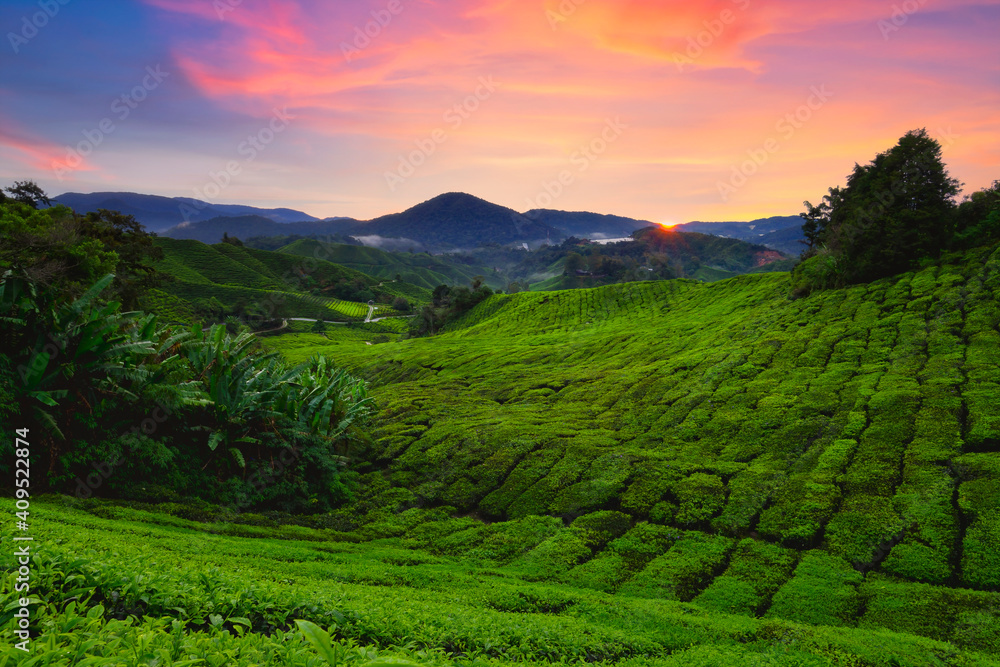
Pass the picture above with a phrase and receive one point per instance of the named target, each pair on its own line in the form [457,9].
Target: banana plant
[327,401]
[242,388]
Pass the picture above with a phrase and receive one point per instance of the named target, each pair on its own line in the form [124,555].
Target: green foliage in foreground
[116,403]
[851,436]
[142,588]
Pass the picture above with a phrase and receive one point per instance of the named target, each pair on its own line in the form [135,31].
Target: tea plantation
[657,473]
[128,586]
[831,460]
[225,279]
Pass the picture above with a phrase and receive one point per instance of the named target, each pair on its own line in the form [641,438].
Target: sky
[667,110]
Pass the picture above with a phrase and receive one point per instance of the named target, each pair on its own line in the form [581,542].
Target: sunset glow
[667,110]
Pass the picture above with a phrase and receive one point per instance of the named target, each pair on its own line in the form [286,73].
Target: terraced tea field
[833,460]
[659,473]
[268,284]
[123,586]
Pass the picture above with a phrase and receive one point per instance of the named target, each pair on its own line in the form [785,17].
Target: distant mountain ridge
[583,224]
[447,222]
[460,220]
[249,226]
[159,213]
[781,232]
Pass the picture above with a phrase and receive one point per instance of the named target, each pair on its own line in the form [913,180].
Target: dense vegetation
[120,403]
[830,460]
[654,254]
[203,282]
[646,473]
[892,214]
[122,586]
[420,269]
[448,305]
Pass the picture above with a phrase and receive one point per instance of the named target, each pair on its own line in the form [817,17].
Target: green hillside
[832,460]
[144,587]
[419,269]
[225,279]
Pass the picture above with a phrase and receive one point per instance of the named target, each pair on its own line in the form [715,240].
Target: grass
[224,277]
[127,586]
[419,269]
[850,432]
[673,473]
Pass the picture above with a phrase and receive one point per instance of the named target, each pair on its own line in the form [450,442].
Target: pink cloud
[35,154]
[699,84]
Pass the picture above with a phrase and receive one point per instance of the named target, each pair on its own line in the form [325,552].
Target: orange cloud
[699,84]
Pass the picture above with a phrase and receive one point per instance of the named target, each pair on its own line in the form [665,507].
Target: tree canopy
[892,212]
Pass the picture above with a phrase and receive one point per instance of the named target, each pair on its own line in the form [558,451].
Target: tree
[28,192]
[134,246]
[574,263]
[401,304]
[893,212]
[977,219]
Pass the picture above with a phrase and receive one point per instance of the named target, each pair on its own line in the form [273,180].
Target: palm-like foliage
[87,362]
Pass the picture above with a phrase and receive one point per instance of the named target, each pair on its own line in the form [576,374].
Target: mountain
[249,226]
[789,240]
[458,220]
[447,222]
[159,213]
[587,225]
[781,232]
[653,253]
